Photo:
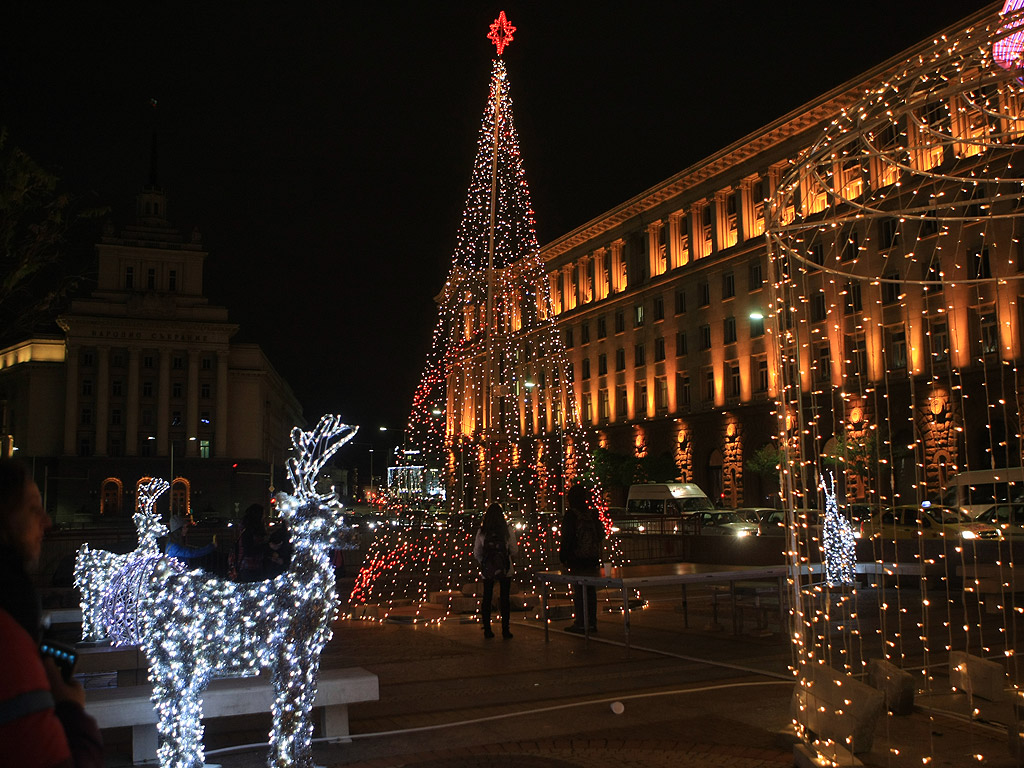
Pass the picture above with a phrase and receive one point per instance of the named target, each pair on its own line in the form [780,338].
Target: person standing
[251,548]
[580,551]
[178,546]
[43,723]
[493,548]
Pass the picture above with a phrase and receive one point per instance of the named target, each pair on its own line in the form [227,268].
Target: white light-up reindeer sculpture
[96,569]
[197,624]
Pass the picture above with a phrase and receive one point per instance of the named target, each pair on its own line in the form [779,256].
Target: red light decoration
[501,33]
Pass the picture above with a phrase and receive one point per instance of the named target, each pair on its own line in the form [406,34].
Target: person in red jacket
[43,723]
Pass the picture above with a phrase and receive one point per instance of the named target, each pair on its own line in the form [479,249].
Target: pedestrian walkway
[696,697]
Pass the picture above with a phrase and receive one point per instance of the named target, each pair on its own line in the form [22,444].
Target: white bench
[133,707]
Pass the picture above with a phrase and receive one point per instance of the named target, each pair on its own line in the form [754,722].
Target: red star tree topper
[501,33]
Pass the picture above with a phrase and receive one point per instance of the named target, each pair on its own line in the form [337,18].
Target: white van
[672,499]
[975,491]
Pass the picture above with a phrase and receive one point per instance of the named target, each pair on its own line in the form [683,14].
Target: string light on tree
[495,407]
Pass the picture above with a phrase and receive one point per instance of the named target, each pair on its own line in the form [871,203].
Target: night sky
[325,152]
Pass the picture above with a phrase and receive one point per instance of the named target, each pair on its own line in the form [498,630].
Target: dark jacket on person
[575,519]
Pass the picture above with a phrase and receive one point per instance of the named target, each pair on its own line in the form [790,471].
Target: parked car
[767,519]
[1008,518]
[729,522]
[930,521]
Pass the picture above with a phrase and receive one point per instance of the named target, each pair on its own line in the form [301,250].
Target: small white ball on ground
[618,707]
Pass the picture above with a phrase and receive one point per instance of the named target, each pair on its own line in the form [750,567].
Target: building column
[192,405]
[102,399]
[71,400]
[163,400]
[220,428]
[131,441]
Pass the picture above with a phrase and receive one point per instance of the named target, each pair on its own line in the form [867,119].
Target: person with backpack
[493,548]
[580,551]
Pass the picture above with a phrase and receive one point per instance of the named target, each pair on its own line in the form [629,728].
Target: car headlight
[968,535]
[742,533]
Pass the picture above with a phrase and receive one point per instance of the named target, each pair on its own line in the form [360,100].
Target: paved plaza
[697,696]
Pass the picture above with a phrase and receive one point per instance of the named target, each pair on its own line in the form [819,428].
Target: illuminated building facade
[146,380]
[666,306]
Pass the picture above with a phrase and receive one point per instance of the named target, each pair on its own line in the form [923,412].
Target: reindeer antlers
[314,449]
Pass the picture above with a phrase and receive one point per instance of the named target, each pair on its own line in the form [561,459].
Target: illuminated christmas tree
[494,409]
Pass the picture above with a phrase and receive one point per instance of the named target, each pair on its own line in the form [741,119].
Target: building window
[729,330]
[819,310]
[620,359]
[147,389]
[761,373]
[755,276]
[85,447]
[933,274]
[980,268]
[680,302]
[815,257]
[709,384]
[116,388]
[856,355]
[620,322]
[705,337]
[115,417]
[989,333]
[849,246]
[890,288]
[129,278]
[888,234]
[681,343]
[178,362]
[86,417]
[602,327]
[117,360]
[659,349]
[204,389]
[147,418]
[602,404]
[661,395]
[147,361]
[640,403]
[638,315]
[204,449]
[585,369]
[823,362]
[621,403]
[172,280]
[853,299]
[207,363]
[938,333]
[151,279]
[639,355]
[682,389]
[896,346]
[86,386]
[734,379]
[659,308]
[568,339]
[756,325]
[204,418]
[602,364]
[704,293]
[177,389]
[728,285]
[585,333]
